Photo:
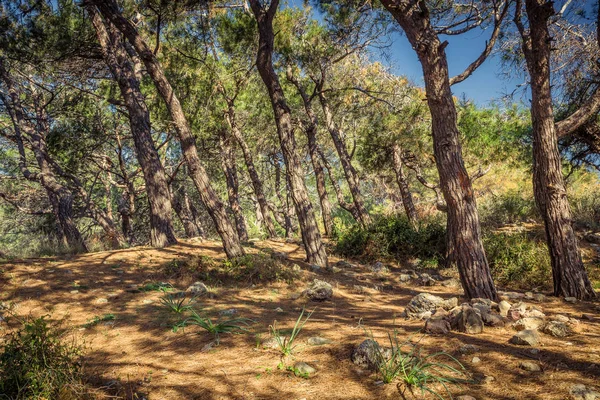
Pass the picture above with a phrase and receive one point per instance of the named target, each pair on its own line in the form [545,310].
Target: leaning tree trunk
[157,189]
[315,250]
[349,170]
[231,179]
[214,206]
[463,220]
[182,209]
[405,193]
[311,135]
[568,271]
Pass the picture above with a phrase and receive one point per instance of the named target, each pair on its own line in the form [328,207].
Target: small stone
[319,291]
[421,304]
[468,349]
[379,268]
[465,397]
[468,321]
[450,303]
[437,326]
[344,264]
[571,300]
[405,278]
[504,306]
[278,255]
[272,343]
[476,360]
[560,318]
[296,268]
[426,280]
[451,283]
[530,366]
[279,309]
[302,368]
[557,329]
[582,392]
[367,354]
[315,268]
[539,297]
[528,323]
[147,301]
[101,300]
[197,288]
[228,312]
[318,341]
[74,291]
[493,319]
[535,351]
[527,337]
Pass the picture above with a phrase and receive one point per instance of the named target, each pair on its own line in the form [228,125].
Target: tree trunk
[287,218]
[311,135]
[349,170]
[405,193]
[116,58]
[182,208]
[315,250]
[231,179]
[350,207]
[463,220]
[254,177]
[214,206]
[568,271]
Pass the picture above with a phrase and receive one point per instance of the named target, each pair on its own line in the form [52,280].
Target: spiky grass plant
[286,345]
[177,303]
[231,325]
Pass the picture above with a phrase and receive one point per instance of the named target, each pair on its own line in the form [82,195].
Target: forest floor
[136,355]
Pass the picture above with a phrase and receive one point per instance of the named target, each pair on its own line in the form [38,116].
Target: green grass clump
[177,303]
[223,325]
[518,259]
[286,344]
[508,208]
[97,319]
[38,362]
[393,236]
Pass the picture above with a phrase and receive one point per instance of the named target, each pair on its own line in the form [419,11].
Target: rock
[437,326]
[379,268]
[147,301]
[476,360]
[557,329]
[315,268]
[302,368]
[228,312]
[468,349]
[279,255]
[540,298]
[528,323]
[101,300]
[450,303]
[74,291]
[296,268]
[344,264]
[571,300]
[582,392]
[333,269]
[272,343]
[426,280]
[367,355]
[468,320]
[530,366]
[422,303]
[560,318]
[493,319]
[535,313]
[465,397]
[318,341]
[197,288]
[279,309]
[527,337]
[405,278]
[451,282]
[319,291]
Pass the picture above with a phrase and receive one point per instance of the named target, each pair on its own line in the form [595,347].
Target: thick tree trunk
[568,271]
[116,58]
[214,206]
[315,250]
[231,179]
[349,170]
[311,135]
[463,219]
[405,193]
[257,184]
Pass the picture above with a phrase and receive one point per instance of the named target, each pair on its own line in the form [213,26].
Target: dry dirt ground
[137,355]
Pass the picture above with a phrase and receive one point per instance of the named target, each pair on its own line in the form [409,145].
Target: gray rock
[343,264]
[315,268]
[437,326]
[468,349]
[530,366]
[228,312]
[319,291]
[468,320]
[465,397]
[476,360]
[318,341]
[279,255]
[272,343]
[493,319]
[379,268]
[426,280]
[557,329]
[571,300]
[197,288]
[540,298]
[369,354]
[450,303]
[422,303]
[528,323]
[405,278]
[560,318]
[452,283]
[582,392]
[302,368]
[101,300]
[527,337]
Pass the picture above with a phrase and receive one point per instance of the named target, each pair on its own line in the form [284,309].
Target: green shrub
[393,236]
[508,208]
[517,259]
[586,211]
[38,362]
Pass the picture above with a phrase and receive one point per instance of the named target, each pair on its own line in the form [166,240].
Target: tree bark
[315,250]
[463,220]
[181,205]
[214,206]
[231,179]
[349,170]
[116,58]
[568,271]
[311,135]
[405,193]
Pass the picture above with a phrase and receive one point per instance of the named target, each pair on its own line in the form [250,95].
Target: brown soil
[138,355]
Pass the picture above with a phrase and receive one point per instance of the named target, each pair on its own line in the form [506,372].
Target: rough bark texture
[231,179]
[315,250]
[405,193]
[570,276]
[157,189]
[311,134]
[257,185]
[463,219]
[181,205]
[349,170]
[214,206]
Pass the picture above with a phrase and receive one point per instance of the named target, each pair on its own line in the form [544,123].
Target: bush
[586,211]
[508,208]
[393,236]
[37,362]
[518,259]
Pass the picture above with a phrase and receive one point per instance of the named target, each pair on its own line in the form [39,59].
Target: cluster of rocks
[441,316]
[319,290]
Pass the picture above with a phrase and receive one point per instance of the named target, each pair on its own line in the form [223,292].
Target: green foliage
[39,362]
[97,319]
[393,236]
[224,325]
[177,302]
[508,208]
[405,361]
[285,344]
[518,259]
[586,210]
